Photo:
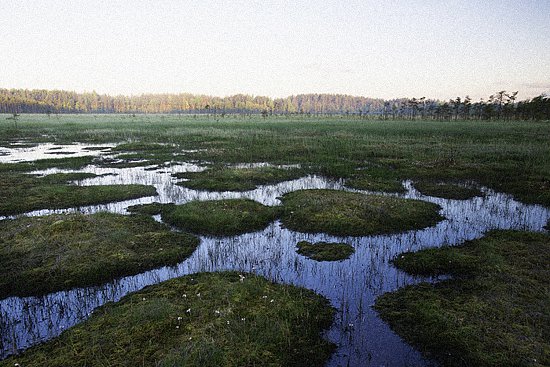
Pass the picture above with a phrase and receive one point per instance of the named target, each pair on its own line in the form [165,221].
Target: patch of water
[351,285]
[49,150]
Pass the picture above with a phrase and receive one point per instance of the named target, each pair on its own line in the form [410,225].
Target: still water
[351,285]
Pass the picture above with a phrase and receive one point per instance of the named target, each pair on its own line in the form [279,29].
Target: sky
[384,49]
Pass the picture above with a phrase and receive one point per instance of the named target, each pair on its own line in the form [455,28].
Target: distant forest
[501,105]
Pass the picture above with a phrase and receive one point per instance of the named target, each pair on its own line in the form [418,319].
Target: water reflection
[15,154]
[351,285]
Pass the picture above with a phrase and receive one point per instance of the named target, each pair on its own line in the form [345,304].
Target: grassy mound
[237,179]
[220,217]
[494,312]
[448,191]
[214,319]
[44,254]
[325,251]
[353,214]
[21,193]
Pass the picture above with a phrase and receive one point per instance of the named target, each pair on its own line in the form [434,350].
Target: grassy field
[44,254]
[215,217]
[216,319]
[355,214]
[494,311]
[447,159]
[511,156]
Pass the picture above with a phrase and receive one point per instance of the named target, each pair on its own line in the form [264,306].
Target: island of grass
[376,178]
[325,251]
[207,319]
[39,255]
[20,193]
[224,178]
[494,311]
[215,217]
[344,213]
[447,190]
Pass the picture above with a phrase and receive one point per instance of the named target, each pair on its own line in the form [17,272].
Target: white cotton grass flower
[217,312]
[199,295]
[188,310]
[180,318]
[241,278]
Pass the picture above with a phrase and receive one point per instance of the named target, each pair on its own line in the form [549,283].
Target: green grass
[223,178]
[354,214]
[20,193]
[448,191]
[219,217]
[42,164]
[148,209]
[44,254]
[509,156]
[494,311]
[325,251]
[198,320]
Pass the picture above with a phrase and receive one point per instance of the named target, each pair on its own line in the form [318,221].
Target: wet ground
[352,285]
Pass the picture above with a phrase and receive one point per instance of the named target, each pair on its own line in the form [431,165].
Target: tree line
[502,105]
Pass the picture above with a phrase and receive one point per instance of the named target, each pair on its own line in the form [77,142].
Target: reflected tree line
[502,105]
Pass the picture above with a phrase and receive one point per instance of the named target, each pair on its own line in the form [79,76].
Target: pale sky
[434,48]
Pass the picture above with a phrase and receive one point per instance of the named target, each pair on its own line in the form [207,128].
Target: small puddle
[351,285]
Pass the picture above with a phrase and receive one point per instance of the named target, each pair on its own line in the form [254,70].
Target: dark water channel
[351,285]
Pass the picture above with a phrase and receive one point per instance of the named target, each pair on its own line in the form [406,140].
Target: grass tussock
[20,193]
[224,178]
[325,251]
[354,214]
[216,319]
[216,217]
[44,254]
[494,311]
[447,191]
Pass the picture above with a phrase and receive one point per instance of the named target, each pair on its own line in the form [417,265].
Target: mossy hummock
[495,311]
[20,193]
[447,190]
[237,179]
[45,254]
[220,217]
[325,251]
[208,319]
[354,214]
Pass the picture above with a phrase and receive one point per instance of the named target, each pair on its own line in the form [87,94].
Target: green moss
[216,319]
[495,311]
[354,214]
[236,179]
[42,164]
[45,254]
[448,191]
[376,178]
[220,217]
[149,209]
[325,251]
[23,193]
[64,178]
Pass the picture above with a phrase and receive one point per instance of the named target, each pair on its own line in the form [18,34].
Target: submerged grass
[216,319]
[495,311]
[219,217]
[223,178]
[44,254]
[325,251]
[20,193]
[353,214]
